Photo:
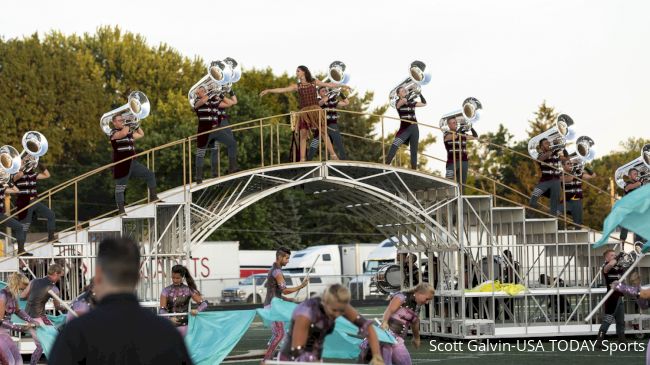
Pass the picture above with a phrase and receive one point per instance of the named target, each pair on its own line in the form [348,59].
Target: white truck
[331,264]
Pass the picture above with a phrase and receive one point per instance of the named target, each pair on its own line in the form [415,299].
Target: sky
[588,59]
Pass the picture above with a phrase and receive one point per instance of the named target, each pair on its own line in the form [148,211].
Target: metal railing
[273,134]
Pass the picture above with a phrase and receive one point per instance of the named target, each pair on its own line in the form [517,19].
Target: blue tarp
[212,335]
[631,212]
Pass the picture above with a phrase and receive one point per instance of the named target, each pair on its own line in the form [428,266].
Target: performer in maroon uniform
[308,101]
[25,181]
[408,132]
[211,112]
[456,146]
[17,228]
[123,143]
[329,101]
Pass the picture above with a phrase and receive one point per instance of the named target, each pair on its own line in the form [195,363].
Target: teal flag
[279,311]
[344,342]
[46,336]
[631,212]
[212,335]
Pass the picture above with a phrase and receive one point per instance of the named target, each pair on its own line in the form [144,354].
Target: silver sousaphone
[465,117]
[136,108]
[558,135]
[413,84]
[580,153]
[34,147]
[337,73]
[218,80]
[9,163]
[641,164]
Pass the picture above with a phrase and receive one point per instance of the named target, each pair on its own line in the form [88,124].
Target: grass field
[537,351]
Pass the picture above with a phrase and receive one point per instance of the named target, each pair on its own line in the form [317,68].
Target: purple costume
[274,290]
[82,304]
[178,301]
[38,296]
[633,291]
[10,354]
[321,326]
[399,324]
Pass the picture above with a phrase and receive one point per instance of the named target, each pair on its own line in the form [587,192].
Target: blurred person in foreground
[118,330]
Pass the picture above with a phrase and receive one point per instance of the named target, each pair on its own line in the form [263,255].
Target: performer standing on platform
[456,145]
[225,136]
[25,181]
[408,129]
[401,315]
[614,306]
[631,185]
[275,288]
[330,101]
[123,143]
[9,352]
[211,112]
[573,190]
[550,179]
[176,298]
[17,228]
[308,102]
[37,295]
[314,319]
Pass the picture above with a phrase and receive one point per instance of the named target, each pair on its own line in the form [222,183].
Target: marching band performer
[26,182]
[38,294]
[276,287]
[573,190]
[17,228]
[176,298]
[614,306]
[330,101]
[456,146]
[9,352]
[408,132]
[314,319]
[211,112]
[550,179]
[401,315]
[123,142]
[225,136]
[642,297]
[308,101]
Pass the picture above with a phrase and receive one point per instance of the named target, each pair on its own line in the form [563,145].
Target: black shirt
[119,331]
